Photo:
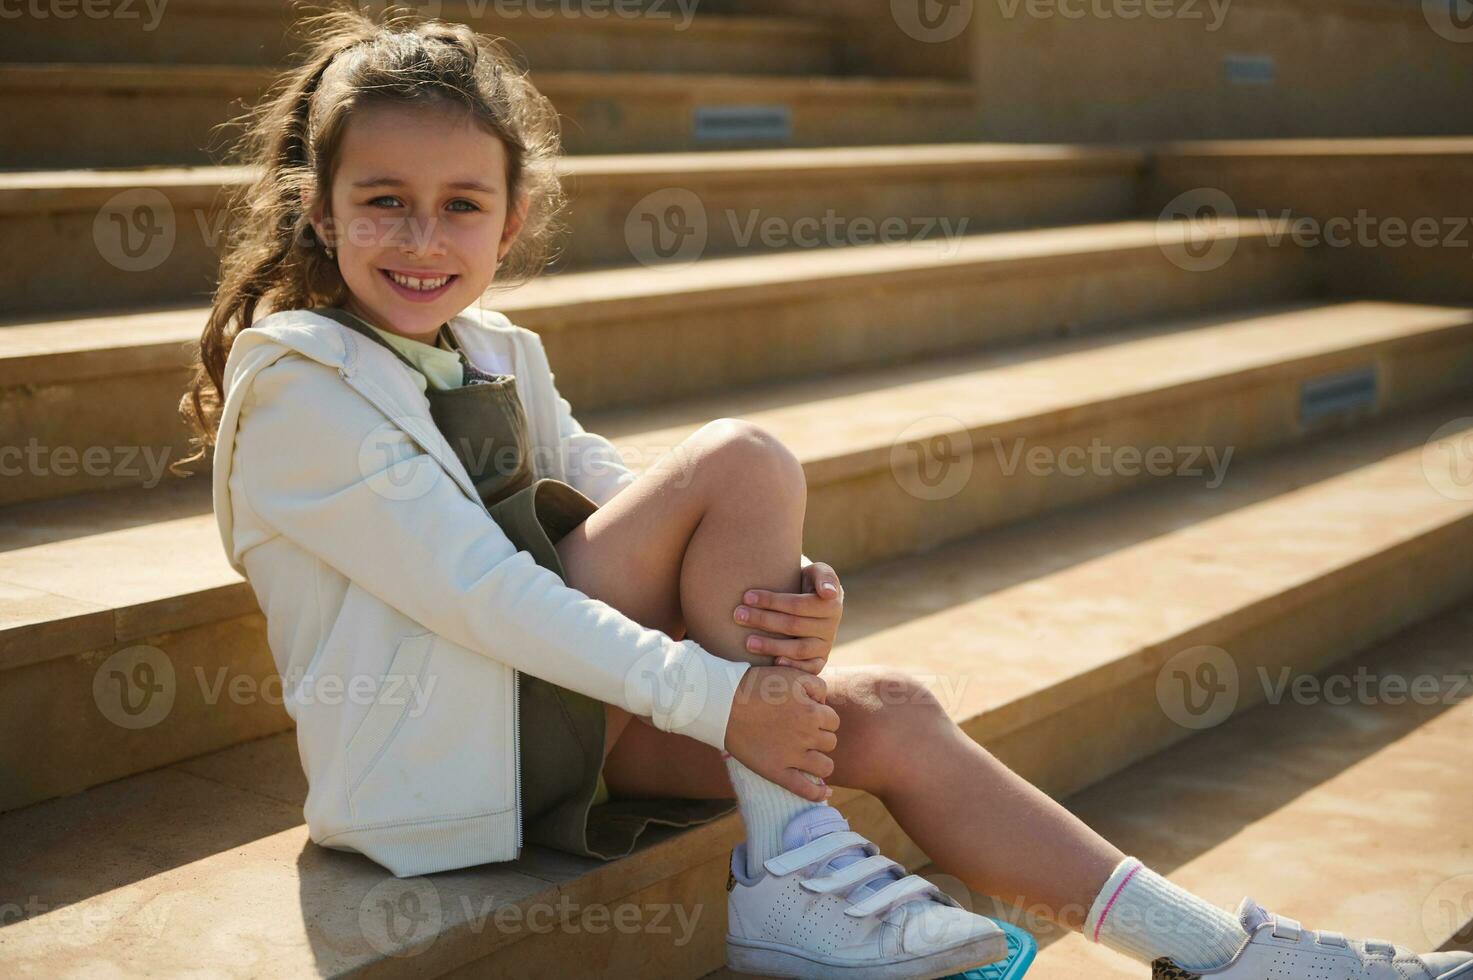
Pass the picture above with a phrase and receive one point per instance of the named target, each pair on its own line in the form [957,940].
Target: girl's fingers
[778,622]
[795,782]
[818,763]
[797,648]
[820,606]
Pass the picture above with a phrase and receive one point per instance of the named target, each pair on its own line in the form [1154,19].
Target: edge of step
[208,80]
[29,191]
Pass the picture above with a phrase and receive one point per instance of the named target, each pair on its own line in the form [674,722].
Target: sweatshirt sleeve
[593,464]
[323,467]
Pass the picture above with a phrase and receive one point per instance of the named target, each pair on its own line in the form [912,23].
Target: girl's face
[421,216]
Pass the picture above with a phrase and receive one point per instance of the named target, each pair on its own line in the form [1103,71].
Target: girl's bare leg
[676,549]
[973,816]
[985,824]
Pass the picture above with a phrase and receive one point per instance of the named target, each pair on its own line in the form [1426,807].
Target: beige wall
[1043,72]
[1340,68]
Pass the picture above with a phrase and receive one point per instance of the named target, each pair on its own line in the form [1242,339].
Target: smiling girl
[586,650]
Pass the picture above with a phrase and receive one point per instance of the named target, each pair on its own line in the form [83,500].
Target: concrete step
[1029,636]
[60,228]
[119,115]
[674,333]
[1346,816]
[896,462]
[664,37]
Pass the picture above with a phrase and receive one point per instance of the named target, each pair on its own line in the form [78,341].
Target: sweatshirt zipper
[516,737]
[516,685]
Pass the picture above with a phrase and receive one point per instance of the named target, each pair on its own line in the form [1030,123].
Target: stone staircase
[1059,448]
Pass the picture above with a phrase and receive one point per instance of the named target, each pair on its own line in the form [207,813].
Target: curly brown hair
[272,257]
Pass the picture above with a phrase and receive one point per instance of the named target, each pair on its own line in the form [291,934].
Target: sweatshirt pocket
[396,696]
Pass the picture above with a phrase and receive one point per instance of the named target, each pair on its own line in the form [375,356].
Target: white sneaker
[1277,946]
[833,906]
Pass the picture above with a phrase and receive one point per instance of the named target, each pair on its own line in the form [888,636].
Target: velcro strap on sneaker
[818,850]
[1287,928]
[851,875]
[898,893]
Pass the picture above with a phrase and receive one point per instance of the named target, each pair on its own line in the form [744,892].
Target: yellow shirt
[438,363]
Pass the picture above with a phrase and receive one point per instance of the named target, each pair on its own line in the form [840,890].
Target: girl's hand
[780,728]
[807,621]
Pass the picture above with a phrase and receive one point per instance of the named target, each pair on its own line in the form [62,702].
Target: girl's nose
[420,235]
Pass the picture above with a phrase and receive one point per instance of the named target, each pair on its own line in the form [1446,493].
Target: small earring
[328,250]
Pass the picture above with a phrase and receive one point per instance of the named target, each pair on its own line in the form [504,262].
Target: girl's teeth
[423,285]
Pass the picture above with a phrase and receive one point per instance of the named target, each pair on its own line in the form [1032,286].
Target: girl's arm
[323,467]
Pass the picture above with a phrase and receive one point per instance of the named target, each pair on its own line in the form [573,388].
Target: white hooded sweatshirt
[398,611]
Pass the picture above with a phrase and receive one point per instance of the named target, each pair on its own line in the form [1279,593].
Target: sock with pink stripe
[1144,916]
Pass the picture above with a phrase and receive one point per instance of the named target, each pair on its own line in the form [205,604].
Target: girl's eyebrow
[460,185]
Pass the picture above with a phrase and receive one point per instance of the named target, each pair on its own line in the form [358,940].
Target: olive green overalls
[561,731]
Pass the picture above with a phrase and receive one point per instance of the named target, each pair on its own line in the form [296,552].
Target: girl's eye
[471,205]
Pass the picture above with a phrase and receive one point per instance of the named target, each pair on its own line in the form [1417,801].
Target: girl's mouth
[418,289]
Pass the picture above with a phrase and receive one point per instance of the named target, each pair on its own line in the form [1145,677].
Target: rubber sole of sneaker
[771,960]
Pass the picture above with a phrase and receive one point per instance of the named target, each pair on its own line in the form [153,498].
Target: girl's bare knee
[886,717]
[742,451]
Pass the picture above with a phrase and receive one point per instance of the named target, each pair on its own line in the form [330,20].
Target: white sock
[1141,914]
[766,809]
